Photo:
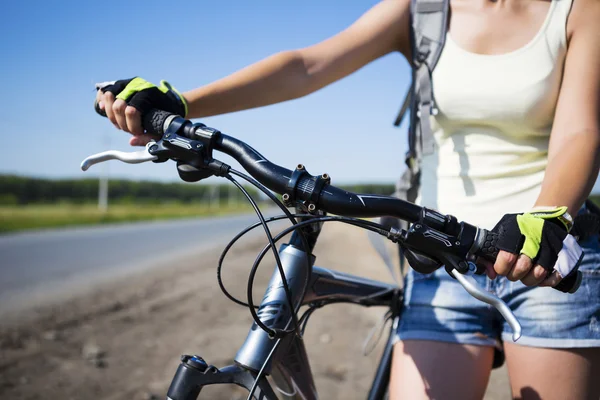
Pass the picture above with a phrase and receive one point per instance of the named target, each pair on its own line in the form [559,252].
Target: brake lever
[476,291]
[135,157]
[447,249]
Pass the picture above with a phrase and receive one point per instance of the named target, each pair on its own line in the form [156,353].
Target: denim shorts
[438,308]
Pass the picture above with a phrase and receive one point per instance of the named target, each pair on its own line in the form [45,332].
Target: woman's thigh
[446,341]
[551,319]
[423,369]
[543,373]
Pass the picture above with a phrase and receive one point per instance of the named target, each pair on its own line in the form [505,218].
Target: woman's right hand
[125,101]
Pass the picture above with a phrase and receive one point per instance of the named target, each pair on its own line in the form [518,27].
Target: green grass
[17,218]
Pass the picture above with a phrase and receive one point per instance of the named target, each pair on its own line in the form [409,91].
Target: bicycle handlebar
[464,239]
[333,199]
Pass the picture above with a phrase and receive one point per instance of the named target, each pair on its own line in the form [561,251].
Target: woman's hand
[540,235]
[520,267]
[125,101]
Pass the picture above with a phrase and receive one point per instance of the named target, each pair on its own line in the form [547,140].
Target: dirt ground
[124,339]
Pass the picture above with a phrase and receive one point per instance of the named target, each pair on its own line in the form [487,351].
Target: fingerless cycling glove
[543,236]
[144,95]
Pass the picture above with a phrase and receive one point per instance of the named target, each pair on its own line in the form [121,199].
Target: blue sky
[54,52]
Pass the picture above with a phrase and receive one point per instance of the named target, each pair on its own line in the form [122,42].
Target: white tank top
[494,123]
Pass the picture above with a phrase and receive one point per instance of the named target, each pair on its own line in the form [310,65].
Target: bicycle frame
[289,366]
[432,240]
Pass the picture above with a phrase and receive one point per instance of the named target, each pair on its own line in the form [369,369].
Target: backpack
[428,26]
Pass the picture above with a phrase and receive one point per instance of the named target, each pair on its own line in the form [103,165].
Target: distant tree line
[24,190]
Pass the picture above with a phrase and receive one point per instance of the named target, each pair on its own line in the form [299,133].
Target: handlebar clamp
[311,185]
[290,189]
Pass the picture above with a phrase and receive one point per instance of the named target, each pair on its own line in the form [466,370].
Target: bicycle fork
[285,359]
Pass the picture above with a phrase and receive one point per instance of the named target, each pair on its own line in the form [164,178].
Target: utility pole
[103,193]
[215,201]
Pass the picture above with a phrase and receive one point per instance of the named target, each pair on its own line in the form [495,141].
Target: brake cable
[296,227]
[233,241]
[274,198]
[262,369]
[288,294]
[364,224]
[304,319]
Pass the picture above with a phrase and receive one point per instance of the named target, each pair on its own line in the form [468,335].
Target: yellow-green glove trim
[166,86]
[560,213]
[136,85]
[531,227]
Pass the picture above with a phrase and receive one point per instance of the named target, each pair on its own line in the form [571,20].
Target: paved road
[34,265]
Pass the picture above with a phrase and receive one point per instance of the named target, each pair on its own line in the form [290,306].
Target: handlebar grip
[152,121]
[98,110]
[489,251]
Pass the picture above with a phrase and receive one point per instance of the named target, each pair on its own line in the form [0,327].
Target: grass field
[16,218]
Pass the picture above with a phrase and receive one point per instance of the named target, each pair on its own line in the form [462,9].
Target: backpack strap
[428,26]
[429,21]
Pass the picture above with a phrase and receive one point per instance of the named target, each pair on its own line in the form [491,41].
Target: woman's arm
[573,155]
[286,75]
[573,158]
[292,74]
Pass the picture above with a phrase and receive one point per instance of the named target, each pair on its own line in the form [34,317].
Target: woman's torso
[495,111]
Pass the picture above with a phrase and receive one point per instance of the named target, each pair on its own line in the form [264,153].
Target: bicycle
[274,345]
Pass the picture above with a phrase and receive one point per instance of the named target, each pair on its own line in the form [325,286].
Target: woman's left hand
[540,235]
[520,267]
